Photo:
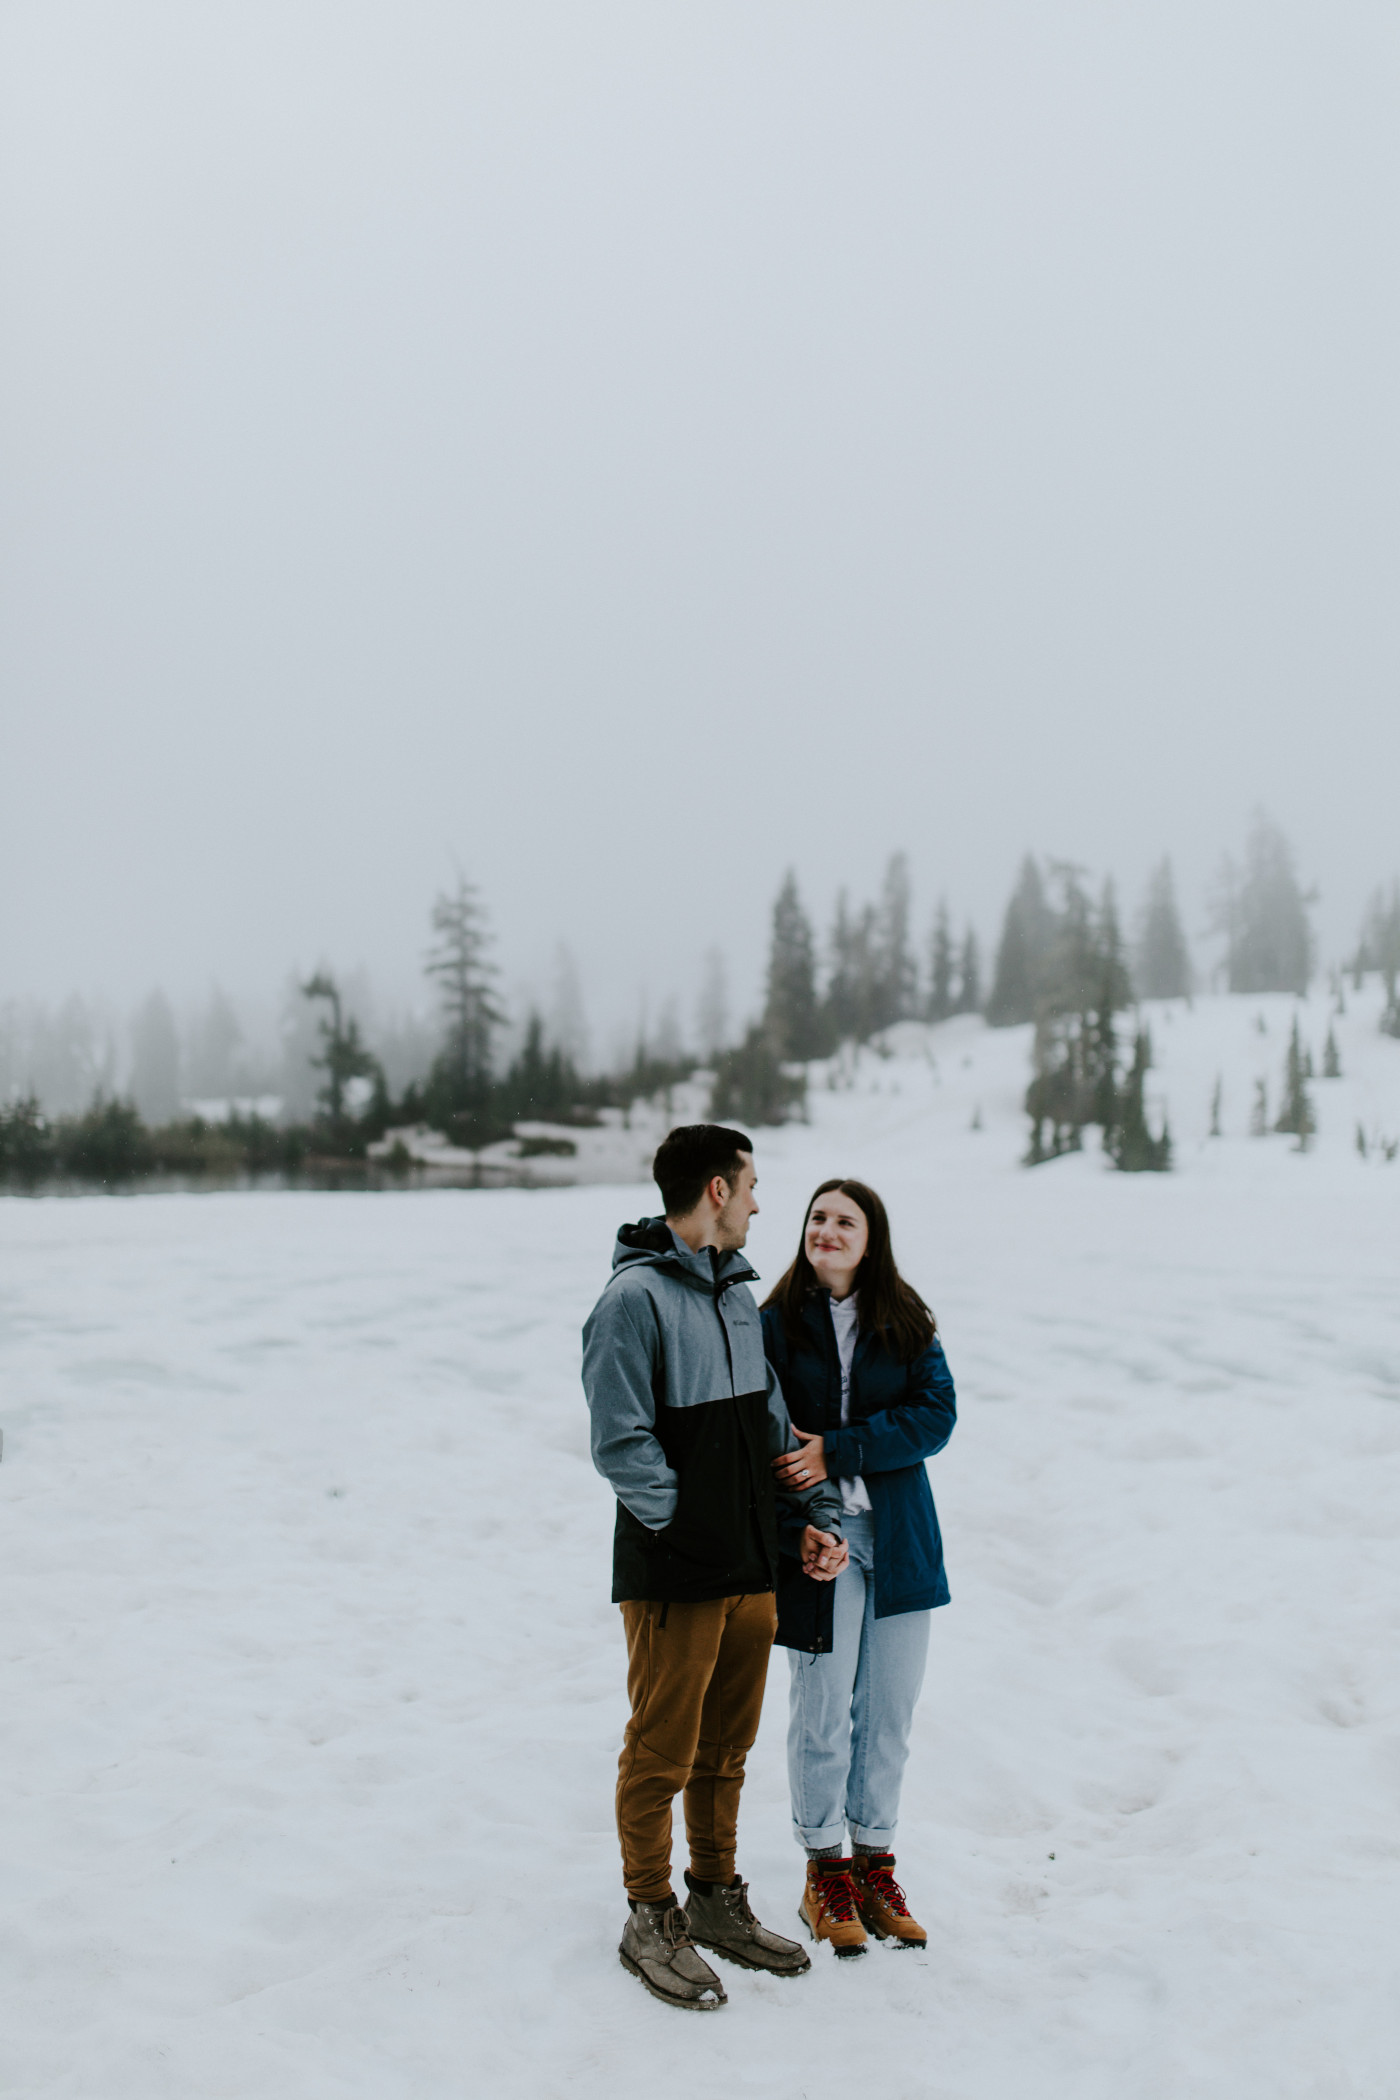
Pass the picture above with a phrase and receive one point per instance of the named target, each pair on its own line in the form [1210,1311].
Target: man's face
[732,1224]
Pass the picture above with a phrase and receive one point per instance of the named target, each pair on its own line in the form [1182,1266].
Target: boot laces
[837,1893]
[675,1928]
[882,1881]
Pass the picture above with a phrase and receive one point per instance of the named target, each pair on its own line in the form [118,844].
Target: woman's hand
[797,1470]
[823,1554]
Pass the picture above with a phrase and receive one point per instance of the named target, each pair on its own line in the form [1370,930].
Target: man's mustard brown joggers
[695,1677]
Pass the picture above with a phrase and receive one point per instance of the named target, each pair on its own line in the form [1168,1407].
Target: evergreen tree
[1162,964]
[940,974]
[1057,1096]
[299,1031]
[1263,915]
[1130,1144]
[1379,949]
[895,974]
[1070,968]
[1331,1057]
[568,1024]
[460,1082]
[667,1046]
[1027,933]
[1296,1114]
[791,1016]
[969,999]
[541,1084]
[839,1001]
[1385,939]
[1084,984]
[712,1007]
[1259,1113]
[343,1055]
[753,1087]
[1112,991]
[1215,1108]
[851,1002]
[1379,945]
[213,1046]
[155,1061]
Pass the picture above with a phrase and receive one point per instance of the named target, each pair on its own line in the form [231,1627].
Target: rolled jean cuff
[864,1839]
[813,1840]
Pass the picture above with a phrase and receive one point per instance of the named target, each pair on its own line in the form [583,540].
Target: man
[686,1417]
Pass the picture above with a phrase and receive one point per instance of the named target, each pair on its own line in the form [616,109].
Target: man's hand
[823,1554]
[797,1470]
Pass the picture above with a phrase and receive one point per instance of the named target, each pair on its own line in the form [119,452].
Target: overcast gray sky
[624,449]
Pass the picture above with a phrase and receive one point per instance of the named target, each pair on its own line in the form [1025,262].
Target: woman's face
[836,1239]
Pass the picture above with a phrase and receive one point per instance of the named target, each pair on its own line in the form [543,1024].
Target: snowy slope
[314,1692]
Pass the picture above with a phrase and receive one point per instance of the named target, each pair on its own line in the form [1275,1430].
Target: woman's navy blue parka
[900,1414]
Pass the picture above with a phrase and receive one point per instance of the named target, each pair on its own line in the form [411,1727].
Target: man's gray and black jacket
[687,1415]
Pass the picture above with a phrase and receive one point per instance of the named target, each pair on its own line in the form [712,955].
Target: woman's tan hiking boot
[828,1906]
[658,1949]
[880,1900]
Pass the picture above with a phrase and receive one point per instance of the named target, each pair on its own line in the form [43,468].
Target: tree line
[1062,963]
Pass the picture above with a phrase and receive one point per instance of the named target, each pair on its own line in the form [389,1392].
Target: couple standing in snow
[736,1528]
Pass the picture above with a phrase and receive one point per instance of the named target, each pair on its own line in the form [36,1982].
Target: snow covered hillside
[314,1694]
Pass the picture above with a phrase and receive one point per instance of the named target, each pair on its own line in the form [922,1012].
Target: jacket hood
[650,1243]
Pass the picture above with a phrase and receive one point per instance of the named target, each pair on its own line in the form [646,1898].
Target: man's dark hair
[689,1159]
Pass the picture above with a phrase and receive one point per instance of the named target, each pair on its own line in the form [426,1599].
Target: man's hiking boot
[721,1920]
[880,1900]
[828,1906]
[658,1949]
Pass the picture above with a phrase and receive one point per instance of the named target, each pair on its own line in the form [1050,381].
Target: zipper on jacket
[722,1284]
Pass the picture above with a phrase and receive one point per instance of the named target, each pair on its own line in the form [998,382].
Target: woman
[864,1374]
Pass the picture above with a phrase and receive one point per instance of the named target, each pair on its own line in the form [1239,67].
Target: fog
[618,452]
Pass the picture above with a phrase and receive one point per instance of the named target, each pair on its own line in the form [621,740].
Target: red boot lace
[838,1894]
[882,1881]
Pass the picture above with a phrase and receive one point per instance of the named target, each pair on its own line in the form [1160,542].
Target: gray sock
[824,1852]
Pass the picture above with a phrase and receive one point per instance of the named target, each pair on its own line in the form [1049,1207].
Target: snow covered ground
[313,1692]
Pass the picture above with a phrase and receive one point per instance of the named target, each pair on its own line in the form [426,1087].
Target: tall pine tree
[1112,991]
[1027,933]
[155,1060]
[459,1086]
[541,1084]
[791,1016]
[1296,1113]
[1130,1143]
[1162,963]
[940,973]
[969,999]
[1263,914]
[343,1056]
[895,973]
[712,1007]
[1379,949]
[851,1002]
[1084,985]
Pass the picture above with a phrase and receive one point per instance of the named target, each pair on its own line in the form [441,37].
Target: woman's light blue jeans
[850,1712]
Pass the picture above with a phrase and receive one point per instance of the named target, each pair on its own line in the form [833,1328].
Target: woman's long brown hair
[888,1305]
